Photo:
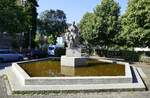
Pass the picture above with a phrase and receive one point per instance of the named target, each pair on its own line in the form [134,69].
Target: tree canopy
[11,17]
[102,25]
[30,10]
[87,29]
[135,24]
[52,23]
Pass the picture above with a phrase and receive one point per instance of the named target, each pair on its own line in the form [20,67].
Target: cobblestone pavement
[127,94]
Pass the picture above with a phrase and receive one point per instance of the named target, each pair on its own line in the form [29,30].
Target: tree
[31,18]
[87,29]
[52,23]
[135,24]
[51,40]
[100,27]
[107,21]
[11,17]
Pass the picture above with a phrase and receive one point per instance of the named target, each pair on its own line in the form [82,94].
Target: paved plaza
[119,94]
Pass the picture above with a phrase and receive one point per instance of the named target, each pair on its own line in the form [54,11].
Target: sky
[74,9]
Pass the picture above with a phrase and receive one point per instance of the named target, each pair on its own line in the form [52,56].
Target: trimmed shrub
[123,54]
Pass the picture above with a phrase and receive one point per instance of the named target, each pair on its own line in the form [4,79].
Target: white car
[51,50]
[9,55]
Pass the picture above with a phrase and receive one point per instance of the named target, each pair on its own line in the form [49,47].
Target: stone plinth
[73,61]
[73,52]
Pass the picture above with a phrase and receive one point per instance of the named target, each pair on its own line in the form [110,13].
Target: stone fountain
[73,57]
[70,81]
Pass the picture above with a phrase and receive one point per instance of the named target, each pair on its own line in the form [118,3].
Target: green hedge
[123,54]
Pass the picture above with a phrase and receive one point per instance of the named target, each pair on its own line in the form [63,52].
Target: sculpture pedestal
[73,61]
[73,52]
[73,58]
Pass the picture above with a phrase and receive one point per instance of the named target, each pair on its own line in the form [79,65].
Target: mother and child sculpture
[72,36]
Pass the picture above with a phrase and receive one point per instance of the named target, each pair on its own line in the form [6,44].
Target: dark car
[36,54]
[10,55]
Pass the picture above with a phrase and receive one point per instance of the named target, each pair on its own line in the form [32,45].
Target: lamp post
[30,38]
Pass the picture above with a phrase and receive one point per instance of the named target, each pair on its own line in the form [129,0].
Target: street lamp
[30,37]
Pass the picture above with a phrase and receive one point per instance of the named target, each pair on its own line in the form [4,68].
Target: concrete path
[130,94]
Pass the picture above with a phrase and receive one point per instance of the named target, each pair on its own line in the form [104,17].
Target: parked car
[10,55]
[56,50]
[36,54]
[51,50]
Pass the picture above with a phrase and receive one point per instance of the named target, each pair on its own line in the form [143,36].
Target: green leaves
[52,23]
[87,25]
[100,27]
[30,10]
[135,23]
[11,17]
